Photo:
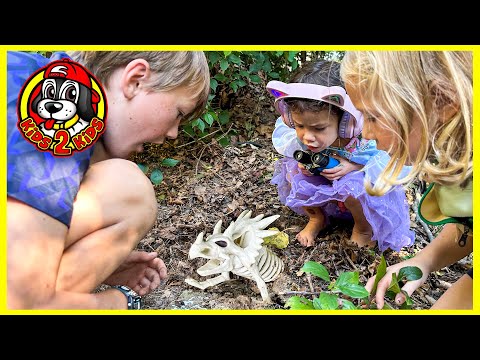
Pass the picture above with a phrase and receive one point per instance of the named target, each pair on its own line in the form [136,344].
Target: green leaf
[224,141]
[213,56]
[294,64]
[394,284]
[255,78]
[189,129]
[274,75]
[255,67]
[386,306]
[220,77]
[244,73]
[348,305]
[267,66]
[213,84]
[224,117]
[235,59]
[348,277]
[410,273]
[390,294]
[143,167]
[169,162]
[241,83]
[291,55]
[199,124]
[299,303]
[326,301]
[259,55]
[234,86]
[226,53]
[354,290]
[223,64]
[208,118]
[316,269]
[156,176]
[381,271]
[408,301]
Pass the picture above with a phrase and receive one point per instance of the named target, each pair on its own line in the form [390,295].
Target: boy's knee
[133,192]
[141,195]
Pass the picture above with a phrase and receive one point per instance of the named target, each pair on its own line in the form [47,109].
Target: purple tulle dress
[388,215]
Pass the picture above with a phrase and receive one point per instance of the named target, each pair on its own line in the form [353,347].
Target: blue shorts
[39,179]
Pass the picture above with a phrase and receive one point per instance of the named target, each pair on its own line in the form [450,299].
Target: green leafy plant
[232,71]
[156,174]
[346,289]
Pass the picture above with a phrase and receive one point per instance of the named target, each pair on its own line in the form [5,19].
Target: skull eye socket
[221,243]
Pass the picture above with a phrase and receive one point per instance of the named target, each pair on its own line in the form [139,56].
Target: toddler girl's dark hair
[322,72]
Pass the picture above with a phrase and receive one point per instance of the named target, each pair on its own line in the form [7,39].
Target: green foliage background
[231,71]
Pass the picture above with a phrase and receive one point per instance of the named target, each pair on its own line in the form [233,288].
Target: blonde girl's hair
[399,85]
[172,69]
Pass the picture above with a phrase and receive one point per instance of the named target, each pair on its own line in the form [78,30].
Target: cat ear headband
[352,120]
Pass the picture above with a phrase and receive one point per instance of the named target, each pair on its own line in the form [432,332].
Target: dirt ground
[212,183]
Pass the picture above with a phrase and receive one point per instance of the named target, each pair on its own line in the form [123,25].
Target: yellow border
[3,129]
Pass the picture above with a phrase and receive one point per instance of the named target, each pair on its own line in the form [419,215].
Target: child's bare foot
[141,271]
[362,237]
[307,236]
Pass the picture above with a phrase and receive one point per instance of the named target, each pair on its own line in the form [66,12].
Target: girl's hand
[409,287]
[304,170]
[341,169]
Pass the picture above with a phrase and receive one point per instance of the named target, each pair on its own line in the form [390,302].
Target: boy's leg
[362,231]
[315,224]
[50,266]
[114,209]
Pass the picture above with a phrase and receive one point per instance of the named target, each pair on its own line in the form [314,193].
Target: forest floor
[212,183]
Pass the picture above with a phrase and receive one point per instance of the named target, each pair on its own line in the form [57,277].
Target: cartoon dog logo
[62,108]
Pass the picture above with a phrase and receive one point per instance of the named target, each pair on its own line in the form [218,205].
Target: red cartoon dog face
[62,108]
[66,92]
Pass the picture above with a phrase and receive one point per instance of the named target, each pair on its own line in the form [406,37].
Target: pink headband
[352,121]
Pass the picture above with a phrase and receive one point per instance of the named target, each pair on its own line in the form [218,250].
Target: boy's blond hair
[400,85]
[172,69]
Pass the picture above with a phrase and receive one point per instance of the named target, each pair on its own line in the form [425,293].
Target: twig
[151,247]
[213,132]
[349,260]
[309,279]
[430,299]
[299,293]
[187,226]
[194,141]
[444,284]
[199,158]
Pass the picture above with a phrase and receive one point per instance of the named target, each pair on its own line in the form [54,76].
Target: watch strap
[134,301]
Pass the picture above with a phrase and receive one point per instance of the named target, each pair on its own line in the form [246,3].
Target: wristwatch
[134,301]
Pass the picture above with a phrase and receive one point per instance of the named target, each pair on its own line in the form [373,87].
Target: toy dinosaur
[240,250]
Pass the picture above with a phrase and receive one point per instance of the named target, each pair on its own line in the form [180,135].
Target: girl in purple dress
[319,122]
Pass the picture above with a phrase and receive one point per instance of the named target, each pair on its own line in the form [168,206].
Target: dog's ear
[36,100]
[84,107]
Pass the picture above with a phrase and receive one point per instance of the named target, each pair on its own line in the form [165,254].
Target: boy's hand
[384,283]
[341,169]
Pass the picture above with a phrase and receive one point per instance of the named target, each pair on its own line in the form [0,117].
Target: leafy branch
[342,292]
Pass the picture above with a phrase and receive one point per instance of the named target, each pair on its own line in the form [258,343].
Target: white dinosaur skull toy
[238,250]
